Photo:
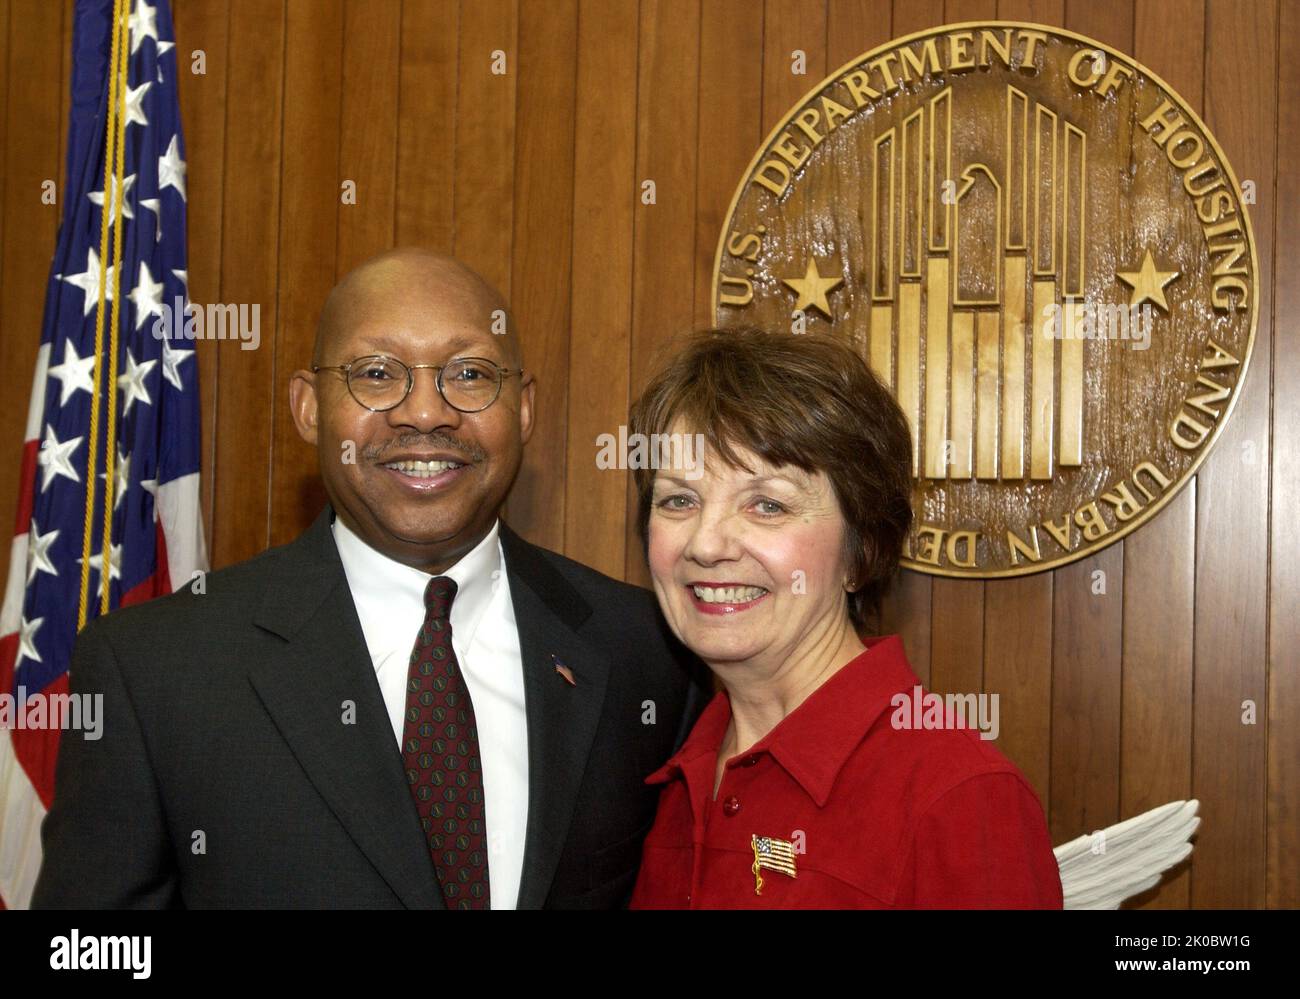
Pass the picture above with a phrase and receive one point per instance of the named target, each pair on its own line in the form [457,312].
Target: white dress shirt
[389,597]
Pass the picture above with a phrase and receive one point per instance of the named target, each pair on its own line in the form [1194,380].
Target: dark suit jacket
[226,775]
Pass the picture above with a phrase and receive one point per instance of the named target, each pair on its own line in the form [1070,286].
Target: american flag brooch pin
[774,855]
[563,670]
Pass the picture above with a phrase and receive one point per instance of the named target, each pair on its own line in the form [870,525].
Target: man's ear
[303,404]
[526,409]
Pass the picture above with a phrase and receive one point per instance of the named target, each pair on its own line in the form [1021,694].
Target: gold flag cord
[114,168]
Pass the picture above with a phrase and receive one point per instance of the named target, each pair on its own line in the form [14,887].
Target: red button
[749,761]
[731,806]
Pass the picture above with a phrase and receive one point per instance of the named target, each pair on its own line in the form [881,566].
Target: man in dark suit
[367,717]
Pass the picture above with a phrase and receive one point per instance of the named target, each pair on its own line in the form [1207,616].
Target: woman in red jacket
[821,775]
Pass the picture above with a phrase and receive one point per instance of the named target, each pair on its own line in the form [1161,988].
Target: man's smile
[424,477]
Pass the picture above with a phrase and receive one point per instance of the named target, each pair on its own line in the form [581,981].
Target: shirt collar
[815,740]
[386,578]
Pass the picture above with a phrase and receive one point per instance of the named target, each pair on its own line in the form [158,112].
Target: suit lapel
[357,768]
[325,665]
[562,717]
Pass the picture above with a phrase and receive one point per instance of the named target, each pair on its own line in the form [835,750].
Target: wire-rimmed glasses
[379,382]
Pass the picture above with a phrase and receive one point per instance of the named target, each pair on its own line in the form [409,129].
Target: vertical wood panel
[791,26]
[31,157]
[731,74]
[11,381]
[308,223]
[426,128]
[1018,668]
[1038,11]
[855,27]
[1232,498]
[367,144]
[663,278]
[1160,559]
[249,272]
[1086,650]
[1156,730]
[1283,852]
[203,26]
[1088,609]
[604,193]
[485,140]
[543,251]
[6,379]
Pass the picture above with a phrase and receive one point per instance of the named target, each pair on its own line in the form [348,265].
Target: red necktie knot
[438,595]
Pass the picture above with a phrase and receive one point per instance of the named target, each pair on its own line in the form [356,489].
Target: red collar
[814,741]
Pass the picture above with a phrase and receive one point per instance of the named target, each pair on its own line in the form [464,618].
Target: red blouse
[878,816]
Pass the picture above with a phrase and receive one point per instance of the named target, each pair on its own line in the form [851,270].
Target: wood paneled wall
[1111,703]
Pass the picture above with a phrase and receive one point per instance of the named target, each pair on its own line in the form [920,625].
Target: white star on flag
[131,382]
[98,198]
[54,456]
[121,477]
[114,562]
[144,24]
[88,282]
[27,640]
[171,168]
[133,104]
[38,553]
[147,296]
[74,373]
[172,360]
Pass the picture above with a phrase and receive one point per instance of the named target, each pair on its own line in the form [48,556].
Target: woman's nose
[713,540]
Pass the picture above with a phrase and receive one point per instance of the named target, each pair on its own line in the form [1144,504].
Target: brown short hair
[804,400]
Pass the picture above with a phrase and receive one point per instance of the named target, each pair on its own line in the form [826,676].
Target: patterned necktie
[440,751]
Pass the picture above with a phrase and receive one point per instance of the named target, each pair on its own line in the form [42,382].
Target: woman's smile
[724,598]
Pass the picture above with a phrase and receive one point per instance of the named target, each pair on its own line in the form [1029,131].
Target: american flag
[156,533]
[773,854]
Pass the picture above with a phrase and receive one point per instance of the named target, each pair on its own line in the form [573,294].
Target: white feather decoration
[1101,869]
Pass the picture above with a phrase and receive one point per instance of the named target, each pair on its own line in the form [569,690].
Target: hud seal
[1040,248]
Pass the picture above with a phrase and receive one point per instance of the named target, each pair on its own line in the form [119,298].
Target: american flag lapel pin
[772,853]
[563,670]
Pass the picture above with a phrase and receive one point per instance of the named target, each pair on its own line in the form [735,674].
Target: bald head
[439,285]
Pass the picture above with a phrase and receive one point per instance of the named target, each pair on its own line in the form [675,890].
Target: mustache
[431,442]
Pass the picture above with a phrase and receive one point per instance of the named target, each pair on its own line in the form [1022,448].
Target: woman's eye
[777,507]
[667,502]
